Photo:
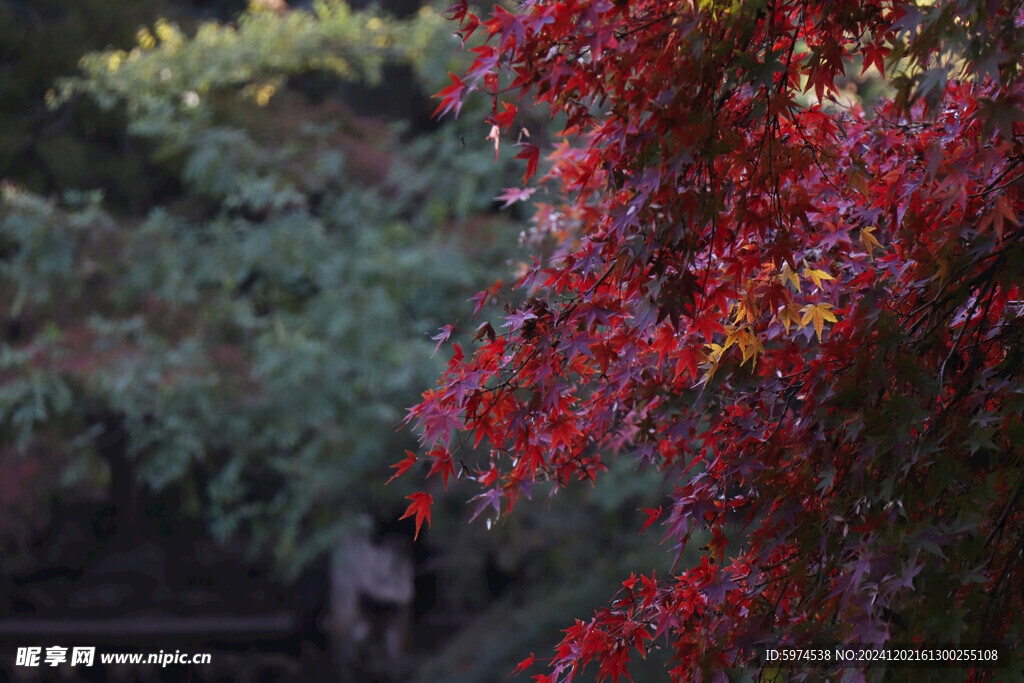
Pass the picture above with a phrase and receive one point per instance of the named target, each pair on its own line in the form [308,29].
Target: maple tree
[805,313]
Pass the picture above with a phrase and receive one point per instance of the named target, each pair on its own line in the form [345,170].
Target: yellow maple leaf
[869,241]
[710,366]
[749,345]
[789,315]
[730,339]
[817,314]
[816,275]
[788,274]
[746,309]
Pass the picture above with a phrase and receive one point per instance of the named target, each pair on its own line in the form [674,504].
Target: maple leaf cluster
[809,316]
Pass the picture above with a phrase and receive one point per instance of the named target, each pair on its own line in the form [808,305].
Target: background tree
[267,316]
[806,315]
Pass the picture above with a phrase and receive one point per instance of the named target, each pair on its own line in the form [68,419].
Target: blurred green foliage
[259,333]
[167,80]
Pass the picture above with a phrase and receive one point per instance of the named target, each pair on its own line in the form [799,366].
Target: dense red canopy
[810,315]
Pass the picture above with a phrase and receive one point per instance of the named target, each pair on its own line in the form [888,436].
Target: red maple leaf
[511,195]
[420,506]
[508,113]
[531,153]
[451,97]
[402,466]
[652,517]
[523,666]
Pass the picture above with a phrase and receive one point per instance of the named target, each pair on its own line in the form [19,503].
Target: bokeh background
[227,234]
